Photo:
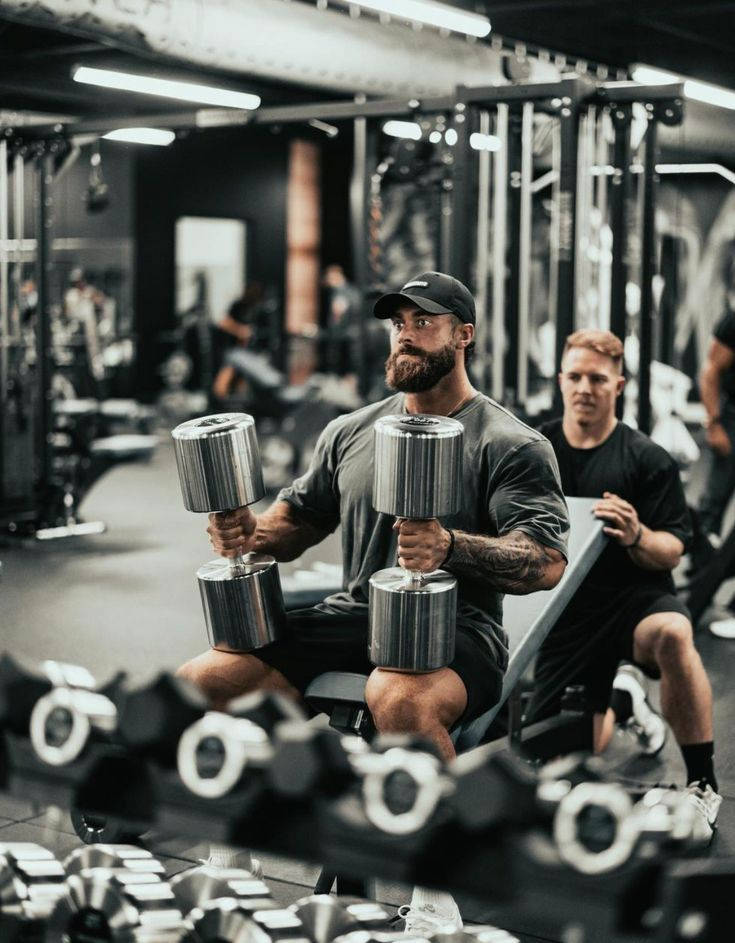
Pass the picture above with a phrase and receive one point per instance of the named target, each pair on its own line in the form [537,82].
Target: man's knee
[674,640]
[406,704]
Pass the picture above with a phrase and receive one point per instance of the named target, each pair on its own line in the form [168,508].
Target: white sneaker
[646,726]
[243,861]
[429,919]
[706,803]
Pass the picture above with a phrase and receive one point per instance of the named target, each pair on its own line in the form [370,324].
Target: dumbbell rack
[508,861]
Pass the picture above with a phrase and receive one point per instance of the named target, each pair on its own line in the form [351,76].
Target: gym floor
[128,600]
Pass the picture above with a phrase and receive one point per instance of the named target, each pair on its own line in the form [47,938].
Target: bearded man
[508,537]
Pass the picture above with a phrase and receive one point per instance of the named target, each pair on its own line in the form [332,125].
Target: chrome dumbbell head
[195,887]
[215,752]
[64,720]
[323,917]
[113,857]
[113,906]
[417,472]
[224,919]
[31,881]
[218,462]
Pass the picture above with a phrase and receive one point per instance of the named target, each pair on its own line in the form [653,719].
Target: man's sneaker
[244,862]
[706,803]
[428,918]
[646,726]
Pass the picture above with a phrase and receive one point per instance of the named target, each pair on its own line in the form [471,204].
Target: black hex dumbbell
[491,788]
[309,760]
[153,717]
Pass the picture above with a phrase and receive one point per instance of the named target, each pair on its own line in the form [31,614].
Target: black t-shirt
[630,465]
[725,334]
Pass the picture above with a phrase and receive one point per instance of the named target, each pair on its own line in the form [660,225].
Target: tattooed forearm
[514,563]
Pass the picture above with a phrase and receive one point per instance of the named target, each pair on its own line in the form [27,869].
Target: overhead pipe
[284,41]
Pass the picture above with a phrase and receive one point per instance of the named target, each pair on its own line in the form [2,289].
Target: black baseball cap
[433,292]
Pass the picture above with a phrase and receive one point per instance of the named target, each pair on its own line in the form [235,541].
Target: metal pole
[363,158]
[648,270]
[18,221]
[460,248]
[483,267]
[524,251]
[44,181]
[500,226]
[619,195]
[4,326]
[515,154]
[565,299]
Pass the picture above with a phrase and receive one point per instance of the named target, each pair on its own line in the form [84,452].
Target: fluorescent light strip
[166,88]
[141,136]
[694,89]
[433,14]
[403,129]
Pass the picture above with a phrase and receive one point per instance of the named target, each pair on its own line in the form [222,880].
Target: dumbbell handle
[413,579]
[238,563]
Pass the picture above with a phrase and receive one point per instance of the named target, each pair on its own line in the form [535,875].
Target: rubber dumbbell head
[492,789]
[65,720]
[265,708]
[308,760]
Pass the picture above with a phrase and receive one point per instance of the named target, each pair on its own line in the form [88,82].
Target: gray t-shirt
[510,482]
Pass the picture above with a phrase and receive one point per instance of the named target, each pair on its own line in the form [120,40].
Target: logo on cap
[415,285]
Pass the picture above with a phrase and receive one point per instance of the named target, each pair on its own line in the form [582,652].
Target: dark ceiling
[696,38]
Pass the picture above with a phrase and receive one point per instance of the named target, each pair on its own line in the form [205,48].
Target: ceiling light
[440,15]
[694,89]
[435,137]
[141,136]
[485,142]
[403,129]
[166,88]
[450,136]
[647,75]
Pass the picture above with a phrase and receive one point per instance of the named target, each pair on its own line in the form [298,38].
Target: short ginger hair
[602,342]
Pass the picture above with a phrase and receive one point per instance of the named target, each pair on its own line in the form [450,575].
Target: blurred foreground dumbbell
[197,886]
[22,686]
[417,476]
[221,752]
[220,470]
[325,917]
[31,882]
[232,919]
[115,893]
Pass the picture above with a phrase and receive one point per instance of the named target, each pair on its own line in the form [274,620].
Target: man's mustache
[410,350]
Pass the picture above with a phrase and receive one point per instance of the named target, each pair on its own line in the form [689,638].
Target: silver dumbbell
[31,882]
[195,887]
[417,476]
[219,470]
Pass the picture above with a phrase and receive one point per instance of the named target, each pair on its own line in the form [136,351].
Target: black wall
[240,174]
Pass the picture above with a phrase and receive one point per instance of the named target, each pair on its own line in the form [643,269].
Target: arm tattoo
[514,563]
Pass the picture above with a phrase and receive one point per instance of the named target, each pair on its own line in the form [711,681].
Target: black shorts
[587,644]
[320,641]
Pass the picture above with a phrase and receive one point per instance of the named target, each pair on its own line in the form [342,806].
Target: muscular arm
[241,331]
[280,531]
[719,359]
[514,563]
[656,550]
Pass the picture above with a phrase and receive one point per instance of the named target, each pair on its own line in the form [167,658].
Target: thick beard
[419,375]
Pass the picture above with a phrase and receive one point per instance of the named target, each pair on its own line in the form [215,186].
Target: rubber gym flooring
[128,599]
